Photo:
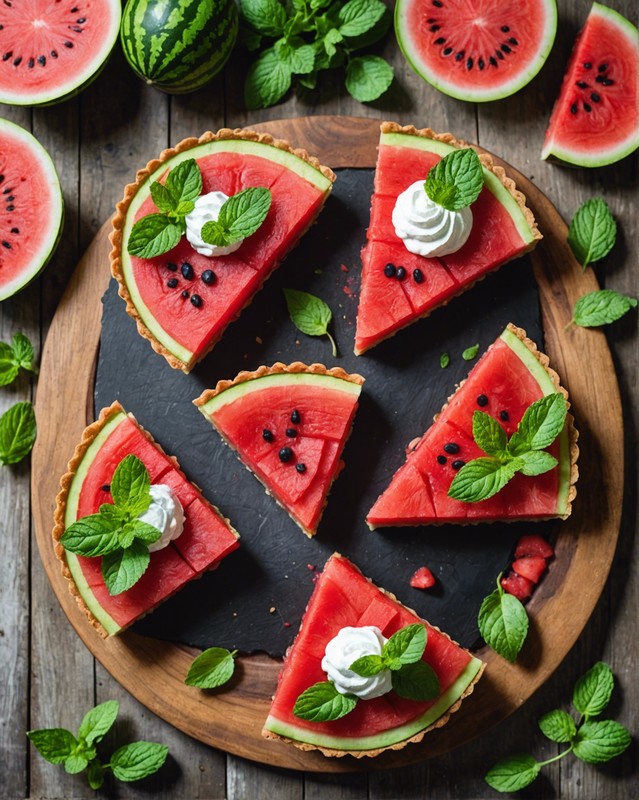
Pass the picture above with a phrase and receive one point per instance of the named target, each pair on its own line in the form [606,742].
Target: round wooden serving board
[231,719]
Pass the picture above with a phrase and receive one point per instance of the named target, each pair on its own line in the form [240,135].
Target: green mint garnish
[470,352]
[592,231]
[17,432]
[309,314]
[601,308]
[77,753]
[368,77]
[444,360]
[115,532]
[503,622]
[592,741]
[321,702]
[240,216]
[524,452]
[456,181]
[212,668]
[14,357]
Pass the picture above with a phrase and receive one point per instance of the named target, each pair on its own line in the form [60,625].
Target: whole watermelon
[178,45]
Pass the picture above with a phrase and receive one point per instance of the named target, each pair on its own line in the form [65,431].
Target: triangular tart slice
[503,229]
[510,376]
[343,597]
[206,539]
[184,310]
[288,424]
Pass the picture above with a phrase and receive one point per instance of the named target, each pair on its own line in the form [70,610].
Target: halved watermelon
[510,376]
[344,597]
[288,424]
[206,539]
[503,228]
[157,292]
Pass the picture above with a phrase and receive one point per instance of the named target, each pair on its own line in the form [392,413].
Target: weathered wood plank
[246,779]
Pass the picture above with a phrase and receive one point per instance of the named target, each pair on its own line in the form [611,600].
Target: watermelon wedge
[344,597]
[510,376]
[288,424]
[206,539]
[503,229]
[182,301]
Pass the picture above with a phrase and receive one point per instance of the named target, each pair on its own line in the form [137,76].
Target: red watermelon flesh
[343,596]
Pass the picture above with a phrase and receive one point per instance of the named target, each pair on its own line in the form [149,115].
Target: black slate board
[405,386]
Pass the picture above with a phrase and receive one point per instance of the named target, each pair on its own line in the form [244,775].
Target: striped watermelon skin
[178,45]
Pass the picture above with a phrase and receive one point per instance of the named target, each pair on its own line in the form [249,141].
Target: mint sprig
[17,432]
[593,231]
[524,452]
[14,357]
[601,307]
[310,314]
[456,181]
[592,741]
[115,532]
[240,216]
[212,668]
[78,753]
[503,623]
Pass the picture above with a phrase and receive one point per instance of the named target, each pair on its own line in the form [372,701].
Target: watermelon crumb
[343,267]
[423,578]
[534,545]
[518,586]
[287,624]
[531,567]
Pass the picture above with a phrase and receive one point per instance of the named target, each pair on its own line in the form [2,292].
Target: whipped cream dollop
[165,513]
[207,209]
[344,649]
[427,228]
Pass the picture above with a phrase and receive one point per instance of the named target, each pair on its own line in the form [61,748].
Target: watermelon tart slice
[288,424]
[182,301]
[503,228]
[206,539]
[344,598]
[510,376]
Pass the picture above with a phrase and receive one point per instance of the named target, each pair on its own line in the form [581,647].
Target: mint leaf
[536,462]
[593,690]
[95,774]
[331,38]
[244,212]
[323,703]
[17,432]
[460,169]
[23,352]
[368,77]
[512,774]
[75,763]
[138,760]
[503,623]
[143,532]
[416,681]
[488,433]
[212,668]
[407,645]
[153,235]
[9,369]
[600,740]
[266,16]
[541,424]
[558,726]
[130,486]
[444,360]
[309,314]
[592,231]
[54,744]
[367,666]
[470,352]
[601,308]
[184,184]
[359,16]
[214,233]
[299,57]
[162,197]
[267,81]
[91,536]
[481,478]
[98,721]
[123,568]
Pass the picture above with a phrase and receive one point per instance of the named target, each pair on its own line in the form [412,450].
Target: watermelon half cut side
[230,161]
[503,229]
[288,424]
[50,50]
[595,119]
[510,376]
[476,51]
[344,597]
[206,539]
[32,208]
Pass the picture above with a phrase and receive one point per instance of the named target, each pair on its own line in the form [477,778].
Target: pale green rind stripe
[90,600]
[387,738]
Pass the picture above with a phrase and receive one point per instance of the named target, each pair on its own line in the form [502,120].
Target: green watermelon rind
[444,703]
[474,95]
[54,214]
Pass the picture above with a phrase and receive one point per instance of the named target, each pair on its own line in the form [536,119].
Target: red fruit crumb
[287,624]
[531,567]
[310,567]
[518,586]
[422,579]
[343,267]
[347,290]
[533,545]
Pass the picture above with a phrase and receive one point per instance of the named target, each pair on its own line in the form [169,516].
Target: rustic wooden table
[97,141]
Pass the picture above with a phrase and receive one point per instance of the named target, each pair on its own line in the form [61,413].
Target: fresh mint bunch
[593,741]
[17,432]
[592,232]
[456,181]
[212,668]
[411,677]
[115,532]
[299,39]
[78,753]
[14,357]
[503,622]
[524,452]
[240,216]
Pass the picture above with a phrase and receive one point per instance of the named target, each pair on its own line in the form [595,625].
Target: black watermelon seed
[441,459]
[185,293]
[607,82]
[11,208]
[54,54]
[438,3]
[81,21]
[451,448]
[1,27]
[587,107]
[447,51]
[434,28]
[499,55]
[504,415]
[17,61]
[505,49]
[600,78]
[7,190]
[458,464]
[42,60]
[285,454]
[208,276]
[595,97]
[196,300]
[512,40]
[6,244]
[469,63]
[440,40]
[493,61]
[295,417]
[582,84]
[587,65]
[430,20]
[15,230]
[10,199]
[76,29]
[68,44]
[482,400]
[291,433]
[75,10]
[172,267]
[505,28]
[400,274]
[1,178]
[106,487]
[480,63]
[573,108]
[301,468]
[390,270]
[267,435]
[31,63]
[418,276]
[601,67]
[172,283]
[7,56]
[459,56]
[187,271]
